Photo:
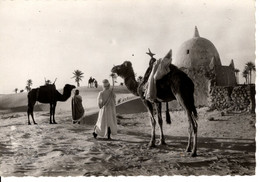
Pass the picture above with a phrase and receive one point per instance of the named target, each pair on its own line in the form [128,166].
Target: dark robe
[77,108]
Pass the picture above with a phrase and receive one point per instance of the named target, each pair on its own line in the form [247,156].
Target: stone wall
[237,98]
[208,92]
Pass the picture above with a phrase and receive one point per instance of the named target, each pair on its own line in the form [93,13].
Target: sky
[51,39]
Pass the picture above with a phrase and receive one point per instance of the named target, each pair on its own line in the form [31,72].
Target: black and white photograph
[108,88]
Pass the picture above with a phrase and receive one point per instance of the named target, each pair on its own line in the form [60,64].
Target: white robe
[107,113]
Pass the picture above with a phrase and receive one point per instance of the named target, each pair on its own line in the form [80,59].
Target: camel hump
[48,87]
[47,92]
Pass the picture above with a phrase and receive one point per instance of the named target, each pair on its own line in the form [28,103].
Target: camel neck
[131,84]
[63,97]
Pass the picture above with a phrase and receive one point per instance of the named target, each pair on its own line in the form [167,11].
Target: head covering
[76,92]
[105,83]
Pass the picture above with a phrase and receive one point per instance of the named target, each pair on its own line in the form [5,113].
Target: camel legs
[33,118]
[149,106]
[188,148]
[53,113]
[192,126]
[30,112]
[29,123]
[195,130]
[160,121]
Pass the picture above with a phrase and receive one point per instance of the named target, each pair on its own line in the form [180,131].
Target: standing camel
[175,85]
[91,82]
[48,95]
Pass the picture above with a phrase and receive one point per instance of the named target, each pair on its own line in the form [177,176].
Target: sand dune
[131,106]
[18,102]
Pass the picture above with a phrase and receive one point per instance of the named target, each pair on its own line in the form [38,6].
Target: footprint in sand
[93,160]
[54,154]
[26,135]
[111,158]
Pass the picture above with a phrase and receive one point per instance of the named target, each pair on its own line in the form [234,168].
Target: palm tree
[250,66]
[16,90]
[78,75]
[28,85]
[237,71]
[237,75]
[245,75]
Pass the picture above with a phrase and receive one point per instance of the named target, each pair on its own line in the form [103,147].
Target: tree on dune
[237,71]
[16,90]
[237,75]
[245,75]
[78,75]
[250,66]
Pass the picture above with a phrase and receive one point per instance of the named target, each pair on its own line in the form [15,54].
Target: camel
[91,82]
[96,84]
[176,85]
[49,95]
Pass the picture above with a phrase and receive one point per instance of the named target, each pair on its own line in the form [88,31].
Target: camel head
[123,70]
[68,88]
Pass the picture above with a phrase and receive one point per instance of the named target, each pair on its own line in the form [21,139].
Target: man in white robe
[106,122]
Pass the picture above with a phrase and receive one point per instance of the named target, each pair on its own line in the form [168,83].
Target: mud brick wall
[238,98]
[202,84]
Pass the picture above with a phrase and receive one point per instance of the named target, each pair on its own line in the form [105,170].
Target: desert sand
[226,143]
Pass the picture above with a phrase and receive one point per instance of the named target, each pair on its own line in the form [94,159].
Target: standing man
[77,107]
[106,122]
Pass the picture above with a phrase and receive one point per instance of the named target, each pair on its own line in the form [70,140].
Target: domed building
[196,52]
[199,58]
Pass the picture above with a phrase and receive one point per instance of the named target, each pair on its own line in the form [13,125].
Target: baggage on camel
[160,69]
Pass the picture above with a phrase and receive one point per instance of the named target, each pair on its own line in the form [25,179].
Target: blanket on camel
[48,91]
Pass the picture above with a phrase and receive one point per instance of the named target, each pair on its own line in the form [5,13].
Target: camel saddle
[48,91]
[160,68]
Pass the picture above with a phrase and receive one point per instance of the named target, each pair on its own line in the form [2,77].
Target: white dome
[196,52]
